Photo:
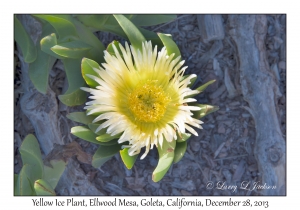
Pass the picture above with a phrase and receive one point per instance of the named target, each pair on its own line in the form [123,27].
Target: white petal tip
[143,156]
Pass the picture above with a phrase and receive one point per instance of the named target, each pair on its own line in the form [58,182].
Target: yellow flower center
[148,102]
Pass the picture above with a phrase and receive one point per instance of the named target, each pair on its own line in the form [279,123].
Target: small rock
[176,172]
[221,128]
[240,170]
[235,103]
[185,185]
[221,117]
[188,27]
[154,184]
[228,131]
[195,145]
[223,154]
[224,95]
[160,192]
[153,162]
[91,175]
[209,66]
[228,122]
[175,192]
[217,69]
[218,92]
[229,85]
[245,115]
[185,193]
[228,142]
[253,167]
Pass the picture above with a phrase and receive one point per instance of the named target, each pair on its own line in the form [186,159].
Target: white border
[8,8]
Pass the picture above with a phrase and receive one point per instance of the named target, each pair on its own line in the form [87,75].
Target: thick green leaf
[85,35]
[31,155]
[39,69]
[104,153]
[110,48]
[166,157]
[64,27]
[98,21]
[115,29]
[81,117]
[179,151]
[95,21]
[73,96]
[170,45]
[16,186]
[47,43]
[42,187]
[150,35]
[102,23]
[74,49]
[72,69]
[102,137]
[109,143]
[108,23]
[24,183]
[183,137]
[24,41]
[151,20]
[52,175]
[77,97]
[205,110]
[84,133]
[134,35]
[87,67]
[203,87]
[127,159]
[107,137]
[193,80]
[94,126]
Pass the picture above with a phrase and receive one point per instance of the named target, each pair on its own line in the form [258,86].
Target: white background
[8,8]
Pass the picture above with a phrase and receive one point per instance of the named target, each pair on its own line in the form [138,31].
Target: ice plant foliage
[35,178]
[143,96]
[139,98]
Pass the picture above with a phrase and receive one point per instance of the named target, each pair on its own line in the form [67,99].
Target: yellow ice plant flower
[143,96]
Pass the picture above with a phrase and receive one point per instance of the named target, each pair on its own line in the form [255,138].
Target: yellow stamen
[148,102]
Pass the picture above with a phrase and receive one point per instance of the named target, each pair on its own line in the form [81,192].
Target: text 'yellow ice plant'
[143,96]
